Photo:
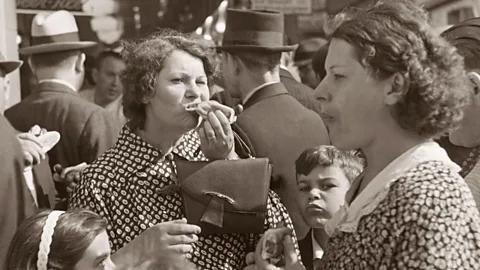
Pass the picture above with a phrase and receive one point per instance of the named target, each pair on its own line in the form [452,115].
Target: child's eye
[326,187]
[177,80]
[304,189]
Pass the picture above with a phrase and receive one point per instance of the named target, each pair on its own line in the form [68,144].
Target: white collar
[316,248]
[347,218]
[250,94]
[60,81]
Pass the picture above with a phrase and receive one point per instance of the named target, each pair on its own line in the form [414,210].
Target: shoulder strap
[243,145]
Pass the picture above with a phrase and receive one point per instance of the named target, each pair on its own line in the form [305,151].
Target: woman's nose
[321,92]
[192,91]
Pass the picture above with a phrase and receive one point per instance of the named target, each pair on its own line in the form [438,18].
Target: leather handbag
[225,196]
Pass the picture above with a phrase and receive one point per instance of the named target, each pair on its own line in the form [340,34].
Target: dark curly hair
[394,37]
[144,60]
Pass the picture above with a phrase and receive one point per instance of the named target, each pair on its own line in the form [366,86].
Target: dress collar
[186,148]
[347,218]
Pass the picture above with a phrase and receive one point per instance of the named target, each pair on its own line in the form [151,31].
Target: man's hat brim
[9,66]
[57,47]
[254,48]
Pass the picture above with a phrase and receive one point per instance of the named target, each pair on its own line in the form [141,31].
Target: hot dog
[204,107]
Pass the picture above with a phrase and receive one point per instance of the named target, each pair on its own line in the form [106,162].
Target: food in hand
[205,107]
[272,245]
[48,140]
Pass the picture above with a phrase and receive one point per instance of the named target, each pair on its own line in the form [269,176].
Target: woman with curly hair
[133,185]
[392,86]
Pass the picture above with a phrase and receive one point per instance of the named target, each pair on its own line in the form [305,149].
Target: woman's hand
[256,262]
[164,238]
[216,136]
[172,236]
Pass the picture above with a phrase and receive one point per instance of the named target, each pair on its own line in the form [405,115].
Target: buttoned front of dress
[134,187]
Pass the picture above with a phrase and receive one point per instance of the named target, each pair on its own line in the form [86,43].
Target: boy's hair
[350,162]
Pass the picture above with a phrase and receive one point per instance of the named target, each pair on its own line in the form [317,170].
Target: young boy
[324,175]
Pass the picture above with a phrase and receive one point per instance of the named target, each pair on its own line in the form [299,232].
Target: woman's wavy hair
[73,234]
[144,60]
[394,37]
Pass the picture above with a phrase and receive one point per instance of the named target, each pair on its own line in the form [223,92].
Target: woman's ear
[397,87]
[475,79]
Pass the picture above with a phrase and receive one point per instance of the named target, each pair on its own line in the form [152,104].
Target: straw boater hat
[254,31]
[55,32]
[9,66]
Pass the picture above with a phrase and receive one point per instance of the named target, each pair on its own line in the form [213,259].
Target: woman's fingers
[209,131]
[225,123]
[181,229]
[181,248]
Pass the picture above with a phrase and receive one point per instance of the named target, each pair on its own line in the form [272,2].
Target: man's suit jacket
[301,92]
[86,130]
[277,126]
[16,202]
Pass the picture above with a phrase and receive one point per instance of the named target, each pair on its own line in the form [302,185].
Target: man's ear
[95,75]
[80,63]
[475,79]
[396,87]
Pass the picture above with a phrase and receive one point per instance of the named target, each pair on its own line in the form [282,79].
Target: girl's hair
[394,37]
[73,234]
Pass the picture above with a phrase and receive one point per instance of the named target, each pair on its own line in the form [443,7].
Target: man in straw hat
[273,123]
[57,60]
[15,198]
[463,144]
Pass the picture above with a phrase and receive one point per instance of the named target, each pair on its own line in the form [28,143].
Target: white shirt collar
[249,95]
[316,248]
[67,84]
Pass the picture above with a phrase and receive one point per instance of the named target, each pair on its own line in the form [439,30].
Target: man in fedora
[273,123]
[15,197]
[57,60]
[303,60]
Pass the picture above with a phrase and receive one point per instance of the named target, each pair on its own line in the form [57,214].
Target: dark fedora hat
[254,30]
[55,32]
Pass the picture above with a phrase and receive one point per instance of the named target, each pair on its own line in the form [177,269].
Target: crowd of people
[373,148]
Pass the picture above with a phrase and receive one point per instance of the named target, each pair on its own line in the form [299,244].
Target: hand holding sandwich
[271,245]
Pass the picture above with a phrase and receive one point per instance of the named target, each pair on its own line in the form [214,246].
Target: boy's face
[321,193]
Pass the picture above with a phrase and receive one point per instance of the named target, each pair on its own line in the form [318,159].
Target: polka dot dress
[133,186]
[427,221]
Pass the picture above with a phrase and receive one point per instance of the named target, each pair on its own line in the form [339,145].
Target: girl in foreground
[73,240]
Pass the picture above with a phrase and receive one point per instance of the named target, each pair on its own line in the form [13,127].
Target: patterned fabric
[427,221]
[129,186]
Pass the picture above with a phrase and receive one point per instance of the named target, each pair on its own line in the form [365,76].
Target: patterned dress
[126,186]
[427,221]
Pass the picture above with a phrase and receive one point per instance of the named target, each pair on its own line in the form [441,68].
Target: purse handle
[243,143]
